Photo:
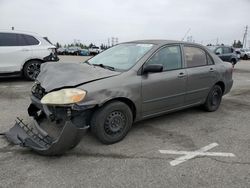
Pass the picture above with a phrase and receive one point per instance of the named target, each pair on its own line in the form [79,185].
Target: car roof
[20,32]
[162,42]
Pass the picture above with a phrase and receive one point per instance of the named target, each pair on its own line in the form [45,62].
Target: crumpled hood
[59,75]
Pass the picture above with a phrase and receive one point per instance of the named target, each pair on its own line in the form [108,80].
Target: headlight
[64,96]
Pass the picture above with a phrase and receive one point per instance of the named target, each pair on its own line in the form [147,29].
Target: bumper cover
[33,136]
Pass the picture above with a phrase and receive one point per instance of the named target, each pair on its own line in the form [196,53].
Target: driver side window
[218,51]
[169,57]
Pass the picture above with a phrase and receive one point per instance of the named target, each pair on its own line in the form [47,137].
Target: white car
[94,50]
[245,53]
[22,53]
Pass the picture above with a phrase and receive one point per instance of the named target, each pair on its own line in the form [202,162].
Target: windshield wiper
[105,66]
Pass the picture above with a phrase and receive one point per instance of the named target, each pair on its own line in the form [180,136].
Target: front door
[164,91]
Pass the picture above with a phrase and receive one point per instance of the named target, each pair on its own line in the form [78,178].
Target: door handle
[181,75]
[211,70]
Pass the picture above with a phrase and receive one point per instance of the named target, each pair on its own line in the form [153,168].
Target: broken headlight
[64,96]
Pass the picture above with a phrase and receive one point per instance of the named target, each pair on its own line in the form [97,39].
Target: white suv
[22,53]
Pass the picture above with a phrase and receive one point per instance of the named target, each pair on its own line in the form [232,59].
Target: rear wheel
[31,69]
[111,123]
[213,99]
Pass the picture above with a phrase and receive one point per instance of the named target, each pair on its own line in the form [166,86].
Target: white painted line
[192,154]
[13,86]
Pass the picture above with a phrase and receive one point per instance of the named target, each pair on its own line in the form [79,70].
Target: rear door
[201,74]
[164,91]
[227,53]
[13,52]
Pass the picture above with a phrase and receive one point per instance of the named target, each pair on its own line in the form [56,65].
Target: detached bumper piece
[35,138]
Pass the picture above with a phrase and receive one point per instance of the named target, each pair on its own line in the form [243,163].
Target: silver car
[122,85]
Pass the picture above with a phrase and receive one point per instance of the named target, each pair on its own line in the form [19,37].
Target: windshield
[212,47]
[121,57]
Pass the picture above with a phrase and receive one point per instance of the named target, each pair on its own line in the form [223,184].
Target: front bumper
[51,57]
[70,127]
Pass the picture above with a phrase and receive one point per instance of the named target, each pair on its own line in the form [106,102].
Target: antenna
[186,34]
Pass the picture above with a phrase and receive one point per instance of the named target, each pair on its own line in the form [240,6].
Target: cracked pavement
[136,161]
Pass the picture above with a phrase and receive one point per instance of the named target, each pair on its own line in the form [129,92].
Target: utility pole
[108,42]
[217,41]
[244,41]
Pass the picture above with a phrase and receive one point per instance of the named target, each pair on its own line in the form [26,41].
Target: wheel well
[127,102]
[32,60]
[222,85]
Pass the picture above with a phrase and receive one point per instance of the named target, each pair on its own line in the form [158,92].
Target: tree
[58,45]
[237,44]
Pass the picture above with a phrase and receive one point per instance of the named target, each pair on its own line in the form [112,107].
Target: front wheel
[111,123]
[31,69]
[213,99]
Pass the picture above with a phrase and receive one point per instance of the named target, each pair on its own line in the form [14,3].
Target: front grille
[38,91]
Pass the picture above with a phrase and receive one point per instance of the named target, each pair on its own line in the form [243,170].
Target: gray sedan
[127,83]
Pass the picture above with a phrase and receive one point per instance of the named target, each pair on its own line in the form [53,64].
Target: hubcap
[215,98]
[33,70]
[115,123]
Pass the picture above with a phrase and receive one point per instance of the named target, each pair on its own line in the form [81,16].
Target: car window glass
[122,56]
[218,50]
[195,56]
[8,39]
[169,57]
[30,40]
[209,60]
[21,40]
[227,50]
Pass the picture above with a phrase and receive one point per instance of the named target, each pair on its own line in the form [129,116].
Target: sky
[95,21]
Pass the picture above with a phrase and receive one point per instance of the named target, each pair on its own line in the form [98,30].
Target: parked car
[74,50]
[22,53]
[226,53]
[245,53]
[84,52]
[61,51]
[127,83]
[94,50]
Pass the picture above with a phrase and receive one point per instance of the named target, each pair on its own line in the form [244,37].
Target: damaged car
[127,83]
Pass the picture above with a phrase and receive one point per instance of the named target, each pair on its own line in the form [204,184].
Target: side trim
[172,110]
[163,98]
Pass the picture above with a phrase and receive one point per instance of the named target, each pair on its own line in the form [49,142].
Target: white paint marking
[11,86]
[192,154]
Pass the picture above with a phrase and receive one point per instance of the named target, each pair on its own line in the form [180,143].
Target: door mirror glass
[152,68]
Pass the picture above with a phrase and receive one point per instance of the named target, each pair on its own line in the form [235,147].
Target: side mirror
[152,68]
[217,53]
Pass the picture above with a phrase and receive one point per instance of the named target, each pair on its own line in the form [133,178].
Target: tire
[31,69]
[111,123]
[213,99]
[245,57]
[233,61]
